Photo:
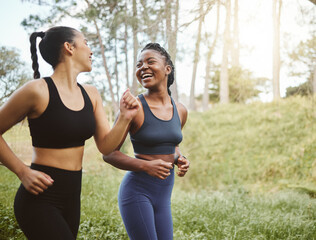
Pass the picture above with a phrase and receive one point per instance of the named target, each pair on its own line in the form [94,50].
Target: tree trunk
[314,81]
[208,61]
[116,72]
[171,33]
[125,47]
[196,58]
[135,46]
[108,75]
[235,43]
[224,87]
[105,65]
[276,14]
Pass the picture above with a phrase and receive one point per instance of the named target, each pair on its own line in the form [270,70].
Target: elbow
[108,158]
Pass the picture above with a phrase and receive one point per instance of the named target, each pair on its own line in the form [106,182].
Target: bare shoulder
[93,94]
[91,90]
[26,101]
[32,90]
[183,113]
[181,108]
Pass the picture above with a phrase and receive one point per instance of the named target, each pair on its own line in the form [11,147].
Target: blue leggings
[145,206]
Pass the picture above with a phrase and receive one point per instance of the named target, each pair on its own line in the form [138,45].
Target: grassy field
[252,176]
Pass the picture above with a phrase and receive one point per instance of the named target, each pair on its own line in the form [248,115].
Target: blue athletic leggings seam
[140,211]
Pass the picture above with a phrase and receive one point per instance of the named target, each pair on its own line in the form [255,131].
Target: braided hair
[163,52]
[50,46]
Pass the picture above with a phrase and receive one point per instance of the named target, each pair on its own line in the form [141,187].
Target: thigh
[163,222]
[138,218]
[72,213]
[163,216]
[39,219]
[136,210]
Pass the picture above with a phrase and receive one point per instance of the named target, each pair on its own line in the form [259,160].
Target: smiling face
[151,69]
[82,54]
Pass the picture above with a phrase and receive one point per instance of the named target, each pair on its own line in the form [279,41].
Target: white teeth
[146,75]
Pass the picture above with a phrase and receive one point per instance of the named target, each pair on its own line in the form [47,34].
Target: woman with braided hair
[155,132]
[62,114]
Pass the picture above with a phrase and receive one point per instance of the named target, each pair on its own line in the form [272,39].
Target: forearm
[124,162]
[9,159]
[114,137]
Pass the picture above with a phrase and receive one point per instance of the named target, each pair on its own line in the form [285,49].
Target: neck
[65,75]
[159,96]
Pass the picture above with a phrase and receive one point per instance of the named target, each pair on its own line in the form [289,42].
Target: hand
[129,105]
[35,181]
[183,165]
[158,168]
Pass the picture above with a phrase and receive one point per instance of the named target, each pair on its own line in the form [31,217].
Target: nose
[144,66]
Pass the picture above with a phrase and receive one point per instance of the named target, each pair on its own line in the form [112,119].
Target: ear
[168,69]
[69,48]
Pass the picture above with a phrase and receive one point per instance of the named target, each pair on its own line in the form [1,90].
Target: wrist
[21,171]
[124,118]
[143,165]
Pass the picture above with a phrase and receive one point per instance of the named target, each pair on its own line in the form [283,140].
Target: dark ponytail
[163,52]
[35,66]
[50,46]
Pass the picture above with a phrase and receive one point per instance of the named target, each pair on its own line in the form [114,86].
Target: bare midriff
[165,157]
[65,158]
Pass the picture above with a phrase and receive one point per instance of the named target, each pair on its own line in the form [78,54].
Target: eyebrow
[150,58]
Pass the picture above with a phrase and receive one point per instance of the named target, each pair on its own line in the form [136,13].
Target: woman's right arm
[156,168]
[22,103]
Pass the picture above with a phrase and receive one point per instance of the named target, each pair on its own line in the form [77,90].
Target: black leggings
[55,213]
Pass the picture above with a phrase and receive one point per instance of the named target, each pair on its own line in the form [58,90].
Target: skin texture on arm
[183,164]
[108,139]
[156,168]
[22,103]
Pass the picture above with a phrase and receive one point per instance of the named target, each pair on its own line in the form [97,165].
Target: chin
[87,69]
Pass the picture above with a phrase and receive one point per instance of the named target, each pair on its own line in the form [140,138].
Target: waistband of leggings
[144,177]
[64,180]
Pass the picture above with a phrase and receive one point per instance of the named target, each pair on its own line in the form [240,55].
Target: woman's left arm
[108,139]
[182,163]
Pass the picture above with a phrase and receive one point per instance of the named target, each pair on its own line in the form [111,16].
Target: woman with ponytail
[155,132]
[62,114]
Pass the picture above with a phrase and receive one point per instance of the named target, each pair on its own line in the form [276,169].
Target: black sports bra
[59,126]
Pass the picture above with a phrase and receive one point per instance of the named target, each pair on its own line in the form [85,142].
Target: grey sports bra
[157,136]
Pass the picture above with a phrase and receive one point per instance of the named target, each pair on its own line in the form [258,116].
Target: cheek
[137,73]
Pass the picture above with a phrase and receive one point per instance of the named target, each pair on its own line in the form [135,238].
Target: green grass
[258,145]
[252,176]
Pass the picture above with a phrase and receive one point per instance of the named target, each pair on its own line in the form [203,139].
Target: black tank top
[157,136]
[59,126]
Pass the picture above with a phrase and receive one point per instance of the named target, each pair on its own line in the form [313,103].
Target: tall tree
[135,45]
[126,45]
[171,33]
[243,85]
[235,40]
[224,85]
[211,48]
[276,16]
[92,10]
[196,57]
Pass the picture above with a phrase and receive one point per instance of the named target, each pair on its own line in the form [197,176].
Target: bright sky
[255,38]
